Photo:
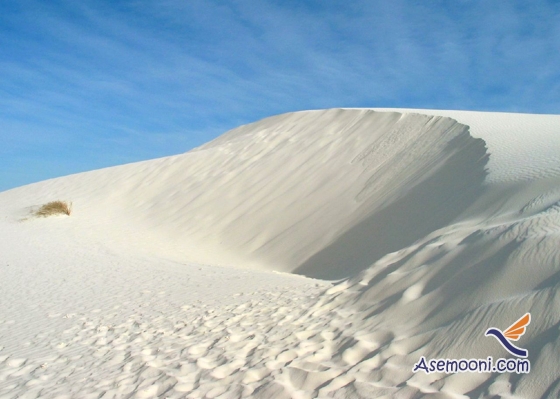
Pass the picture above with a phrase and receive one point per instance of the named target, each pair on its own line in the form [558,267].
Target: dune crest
[302,192]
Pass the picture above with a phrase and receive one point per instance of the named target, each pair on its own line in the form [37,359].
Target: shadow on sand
[428,206]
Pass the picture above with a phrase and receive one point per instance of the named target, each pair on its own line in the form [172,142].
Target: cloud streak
[142,79]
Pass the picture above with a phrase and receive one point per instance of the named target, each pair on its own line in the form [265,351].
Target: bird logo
[512,333]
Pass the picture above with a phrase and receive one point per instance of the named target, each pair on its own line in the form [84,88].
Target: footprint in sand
[198,350]
[227,369]
[287,356]
[357,352]
[255,375]
[208,363]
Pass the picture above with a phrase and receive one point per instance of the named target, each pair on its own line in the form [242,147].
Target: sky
[96,83]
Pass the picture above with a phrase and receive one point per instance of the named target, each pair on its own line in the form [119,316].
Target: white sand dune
[436,225]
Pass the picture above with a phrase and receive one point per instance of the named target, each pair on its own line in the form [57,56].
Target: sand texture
[315,254]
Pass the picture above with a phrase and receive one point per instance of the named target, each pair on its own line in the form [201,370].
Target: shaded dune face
[436,188]
[345,187]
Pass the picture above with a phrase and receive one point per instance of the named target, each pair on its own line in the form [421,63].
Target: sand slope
[290,193]
[439,224]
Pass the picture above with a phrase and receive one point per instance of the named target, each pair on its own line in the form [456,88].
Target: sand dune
[436,225]
[290,193]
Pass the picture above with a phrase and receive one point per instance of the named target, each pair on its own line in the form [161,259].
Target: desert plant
[54,208]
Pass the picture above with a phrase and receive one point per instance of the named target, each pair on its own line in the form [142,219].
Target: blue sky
[89,84]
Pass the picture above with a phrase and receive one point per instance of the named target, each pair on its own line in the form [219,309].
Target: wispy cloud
[142,79]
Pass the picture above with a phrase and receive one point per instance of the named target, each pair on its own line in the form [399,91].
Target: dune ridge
[274,194]
[437,225]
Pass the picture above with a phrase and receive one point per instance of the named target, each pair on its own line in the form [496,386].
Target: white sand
[162,282]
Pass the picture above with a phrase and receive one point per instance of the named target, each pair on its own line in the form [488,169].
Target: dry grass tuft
[54,208]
